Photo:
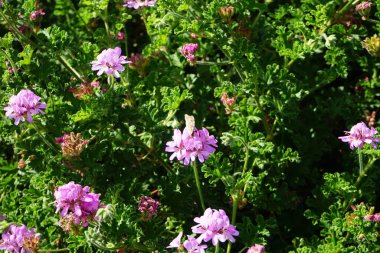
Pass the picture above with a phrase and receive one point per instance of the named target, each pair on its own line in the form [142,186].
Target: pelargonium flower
[188,146]
[359,135]
[36,14]
[72,197]
[72,144]
[120,36]
[148,207]
[372,217]
[228,102]
[138,3]
[193,246]
[19,239]
[188,51]
[214,225]
[176,243]
[363,6]
[257,248]
[109,61]
[24,104]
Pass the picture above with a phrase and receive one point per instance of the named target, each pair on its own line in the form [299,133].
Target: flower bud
[372,45]
[226,13]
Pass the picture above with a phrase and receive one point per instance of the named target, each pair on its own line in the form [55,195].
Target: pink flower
[24,104]
[188,147]
[10,70]
[19,239]
[359,135]
[257,248]
[36,14]
[72,197]
[138,3]
[363,6]
[176,243]
[148,207]
[368,217]
[214,225]
[188,51]
[120,36]
[109,61]
[192,245]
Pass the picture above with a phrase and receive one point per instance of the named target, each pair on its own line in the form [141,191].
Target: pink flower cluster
[188,146]
[213,226]
[228,102]
[148,207]
[372,217]
[363,6]
[359,135]
[24,104]
[109,61]
[138,3]
[191,244]
[19,239]
[257,248]
[188,51]
[36,14]
[72,197]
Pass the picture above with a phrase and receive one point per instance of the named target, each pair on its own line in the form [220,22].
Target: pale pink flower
[120,36]
[192,245]
[187,147]
[257,248]
[176,243]
[109,61]
[138,3]
[359,135]
[188,51]
[214,225]
[363,6]
[19,239]
[24,104]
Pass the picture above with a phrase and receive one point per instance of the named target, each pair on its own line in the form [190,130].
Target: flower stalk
[197,182]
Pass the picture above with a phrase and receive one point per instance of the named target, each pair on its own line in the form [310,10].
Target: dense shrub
[125,126]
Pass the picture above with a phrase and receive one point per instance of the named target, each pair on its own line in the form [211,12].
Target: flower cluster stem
[217,247]
[53,250]
[198,183]
[235,199]
[360,153]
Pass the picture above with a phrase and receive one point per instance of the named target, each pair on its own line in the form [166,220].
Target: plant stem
[217,247]
[65,63]
[53,250]
[198,185]
[235,199]
[360,161]
[245,160]
[10,61]
[43,138]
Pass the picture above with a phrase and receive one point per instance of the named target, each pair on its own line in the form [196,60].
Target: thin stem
[10,61]
[65,63]
[235,203]
[53,250]
[217,247]
[209,63]
[246,160]
[198,185]
[360,161]
[43,138]
[346,7]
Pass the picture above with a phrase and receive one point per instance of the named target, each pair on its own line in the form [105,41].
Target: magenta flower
[359,135]
[138,3]
[176,243]
[120,36]
[19,239]
[372,217]
[148,207]
[257,248]
[214,225]
[24,104]
[72,197]
[188,51]
[187,147]
[192,245]
[109,61]
[36,14]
